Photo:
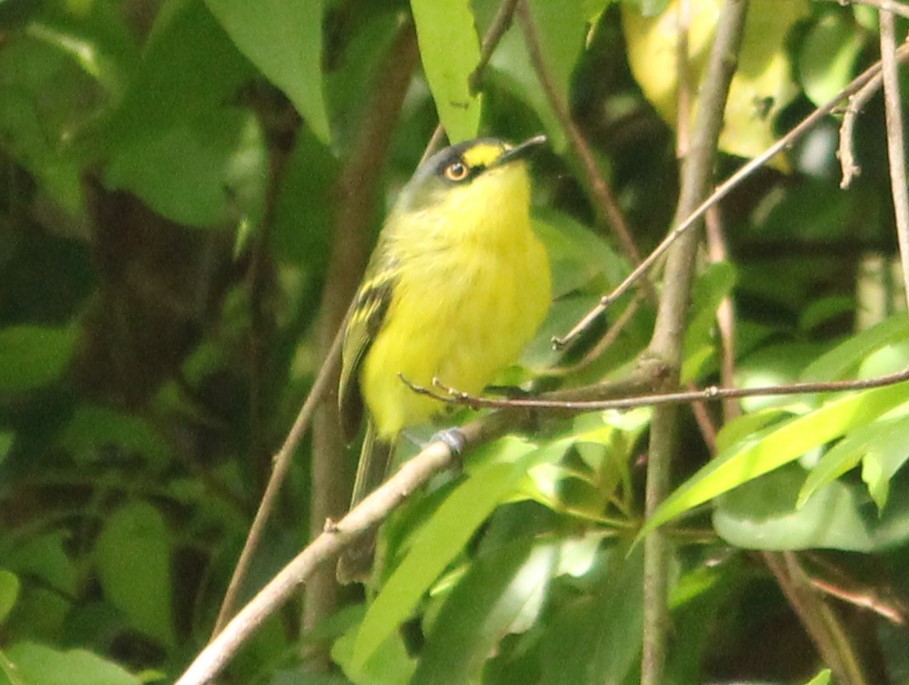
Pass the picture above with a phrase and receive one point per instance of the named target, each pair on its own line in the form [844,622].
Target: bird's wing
[372,302]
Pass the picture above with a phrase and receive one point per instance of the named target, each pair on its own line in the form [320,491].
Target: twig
[722,191]
[820,621]
[875,595]
[563,399]
[356,193]
[366,515]
[881,5]
[683,79]
[282,462]
[602,345]
[594,183]
[326,547]
[725,313]
[895,140]
[850,169]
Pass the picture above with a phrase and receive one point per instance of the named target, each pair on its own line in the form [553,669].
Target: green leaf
[712,286]
[203,171]
[560,28]
[450,50]
[45,557]
[390,662]
[776,447]
[440,541]
[827,56]
[577,255]
[882,442]
[190,68]
[92,428]
[502,592]
[822,678]
[283,38]
[9,592]
[597,638]
[848,355]
[34,356]
[133,558]
[7,438]
[40,665]
[763,515]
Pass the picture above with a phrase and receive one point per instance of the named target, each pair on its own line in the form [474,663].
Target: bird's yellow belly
[488,313]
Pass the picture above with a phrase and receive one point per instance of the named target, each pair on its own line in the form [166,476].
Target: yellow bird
[456,287]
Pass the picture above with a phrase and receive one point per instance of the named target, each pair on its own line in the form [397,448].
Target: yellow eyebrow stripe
[482,155]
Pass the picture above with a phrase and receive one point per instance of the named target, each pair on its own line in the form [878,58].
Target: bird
[457,285]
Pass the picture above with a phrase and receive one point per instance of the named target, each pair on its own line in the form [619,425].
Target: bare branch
[593,182]
[722,191]
[325,548]
[563,399]
[895,140]
[882,5]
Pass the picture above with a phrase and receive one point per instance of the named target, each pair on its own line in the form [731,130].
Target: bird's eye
[457,171]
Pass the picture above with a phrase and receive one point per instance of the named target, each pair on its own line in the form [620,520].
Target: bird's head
[468,170]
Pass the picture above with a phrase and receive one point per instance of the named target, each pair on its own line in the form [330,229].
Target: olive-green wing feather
[371,305]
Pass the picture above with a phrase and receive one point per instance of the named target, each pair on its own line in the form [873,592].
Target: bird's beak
[521,150]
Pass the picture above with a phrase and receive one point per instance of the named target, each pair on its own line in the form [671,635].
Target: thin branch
[818,618]
[357,187]
[368,514]
[282,462]
[881,5]
[722,191]
[602,346]
[725,313]
[857,102]
[563,399]
[895,140]
[326,547]
[593,182]
[669,329]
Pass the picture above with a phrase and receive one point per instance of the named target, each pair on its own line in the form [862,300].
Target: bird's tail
[355,563]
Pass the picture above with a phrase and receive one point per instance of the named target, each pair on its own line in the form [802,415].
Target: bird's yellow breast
[473,287]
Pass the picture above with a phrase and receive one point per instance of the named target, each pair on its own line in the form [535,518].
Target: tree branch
[593,182]
[722,191]
[895,140]
[666,344]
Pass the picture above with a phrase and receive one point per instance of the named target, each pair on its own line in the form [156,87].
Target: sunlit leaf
[763,515]
[882,442]
[596,638]
[390,661]
[746,461]
[450,50]
[761,86]
[502,592]
[822,678]
[850,353]
[827,55]
[443,536]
